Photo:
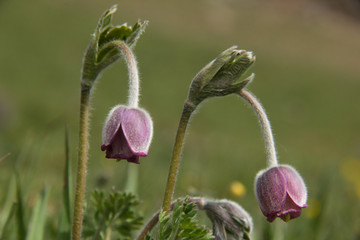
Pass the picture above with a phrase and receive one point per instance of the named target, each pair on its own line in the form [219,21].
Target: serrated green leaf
[137,30]
[188,207]
[106,18]
[181,224]
[166,231]
[106,21]
[113,214]
[177,211]
[108,51]
[38,218]
[102,35]
[163,217]
[103,23]
[118,33]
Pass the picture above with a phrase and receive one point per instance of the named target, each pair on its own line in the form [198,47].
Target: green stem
[132,179]
[175,160]
[108,234]
[82,163]
[67,179]
[149,226]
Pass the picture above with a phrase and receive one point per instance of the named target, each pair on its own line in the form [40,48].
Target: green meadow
[307,76]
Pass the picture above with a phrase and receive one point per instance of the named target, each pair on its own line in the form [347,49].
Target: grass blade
[8,204]
[67,180]
[20,215]
[38,218]
[7,224]
[64,227]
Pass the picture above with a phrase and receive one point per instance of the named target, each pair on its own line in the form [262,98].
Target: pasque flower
[127,133]
[279,189]
[281,192]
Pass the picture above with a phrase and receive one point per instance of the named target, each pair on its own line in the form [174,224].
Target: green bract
[102,50]
[221,76]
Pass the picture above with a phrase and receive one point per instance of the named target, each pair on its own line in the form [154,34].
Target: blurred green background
[307,77]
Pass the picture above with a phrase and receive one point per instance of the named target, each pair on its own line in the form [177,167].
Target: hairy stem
[149,226]
[265,126]
[134,88]
[82,163]
[175,160]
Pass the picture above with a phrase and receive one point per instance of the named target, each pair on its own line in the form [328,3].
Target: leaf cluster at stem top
[102,51]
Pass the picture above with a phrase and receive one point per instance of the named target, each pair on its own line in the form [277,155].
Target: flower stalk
[127,131]
[82,163]
[279,189]
[265,126]
[175,160]
[134,86]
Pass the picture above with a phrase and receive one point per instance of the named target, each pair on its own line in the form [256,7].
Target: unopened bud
[230,221]
[221,76]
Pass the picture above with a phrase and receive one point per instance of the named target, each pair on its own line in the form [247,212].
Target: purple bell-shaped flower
[281,192]
[127,133]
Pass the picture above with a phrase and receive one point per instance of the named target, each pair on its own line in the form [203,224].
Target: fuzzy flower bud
[281,192]
[230,221]
[221,76]
[127,133]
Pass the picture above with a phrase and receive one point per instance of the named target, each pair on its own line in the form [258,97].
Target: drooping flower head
[281,192]
[127,133]
[229,219]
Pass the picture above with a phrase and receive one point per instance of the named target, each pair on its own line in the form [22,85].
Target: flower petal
[119,147]
[290,210]
[137,128]
[295,185]
[270,189]
[112,125]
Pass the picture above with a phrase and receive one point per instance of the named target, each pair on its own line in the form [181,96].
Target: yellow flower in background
[313,209]
[350,169]
[237,189]
[358,189]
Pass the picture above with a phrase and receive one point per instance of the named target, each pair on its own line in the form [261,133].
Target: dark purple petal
[119,147]
[295,185]
[134,159]
[137,128]
[290,210]
[112,125]
[270,189]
